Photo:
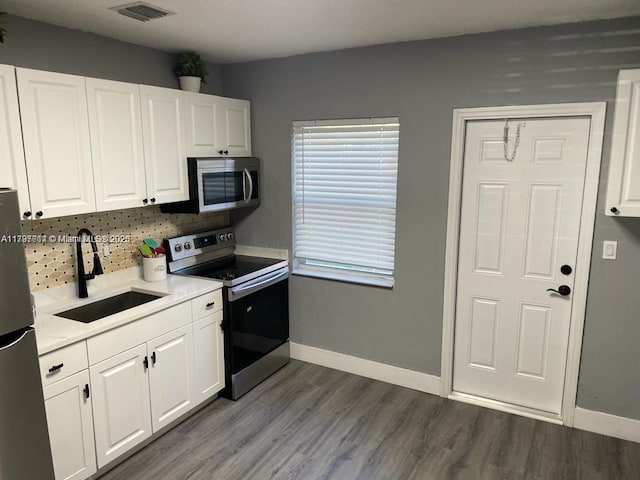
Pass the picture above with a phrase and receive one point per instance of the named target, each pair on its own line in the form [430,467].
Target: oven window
[258,324]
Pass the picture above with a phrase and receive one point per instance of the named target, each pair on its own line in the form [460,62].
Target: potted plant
[3,31]
[191,70]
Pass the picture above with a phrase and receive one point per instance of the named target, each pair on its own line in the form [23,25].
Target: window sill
[344,277]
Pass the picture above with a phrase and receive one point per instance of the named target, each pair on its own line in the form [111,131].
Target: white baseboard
[403,377]
[606,424]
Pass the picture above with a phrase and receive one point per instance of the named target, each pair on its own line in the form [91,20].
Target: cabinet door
[164,145]
[235,127]
[116,144]
[121,408]
[623,189]
[70,421]
[208,354]
[201,116]
[171,377]
[13,171]
[55,128]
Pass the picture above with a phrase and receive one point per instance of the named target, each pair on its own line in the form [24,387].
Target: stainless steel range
[256,304]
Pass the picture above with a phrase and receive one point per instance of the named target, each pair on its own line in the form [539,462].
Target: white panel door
[164,144]
[235,127]
[116,144]
[55,128]
[13,171]
[171,377]
[121,408]
[70,422]
[623,189]
[208,353]
[520,222]
[201,117]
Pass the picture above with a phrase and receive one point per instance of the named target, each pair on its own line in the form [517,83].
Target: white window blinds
[344,199]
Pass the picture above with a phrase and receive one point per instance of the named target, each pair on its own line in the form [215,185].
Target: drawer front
[206,304]
[61,363]
[137,332]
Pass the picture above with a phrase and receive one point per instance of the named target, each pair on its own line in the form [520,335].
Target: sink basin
[109,306]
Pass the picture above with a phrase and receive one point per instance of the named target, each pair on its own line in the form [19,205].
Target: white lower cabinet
[138,392]
[208,353]
[121,407]
[171,376]
[142,376]
[70,422]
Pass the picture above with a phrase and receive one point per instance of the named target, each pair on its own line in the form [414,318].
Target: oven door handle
[247,175]
[243,290]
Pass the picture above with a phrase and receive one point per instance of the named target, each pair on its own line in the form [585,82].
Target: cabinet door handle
[153,358]
[86,391]
[27,214]
[55,368]
[210,304]
[145,362]
[39,214]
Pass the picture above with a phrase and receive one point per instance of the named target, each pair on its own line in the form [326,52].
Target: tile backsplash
[51,256]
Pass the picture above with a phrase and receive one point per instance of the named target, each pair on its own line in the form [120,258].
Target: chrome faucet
[97,266]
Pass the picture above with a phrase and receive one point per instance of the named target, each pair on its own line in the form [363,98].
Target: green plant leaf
[190,64]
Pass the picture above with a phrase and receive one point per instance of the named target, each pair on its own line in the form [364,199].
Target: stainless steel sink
[109,306]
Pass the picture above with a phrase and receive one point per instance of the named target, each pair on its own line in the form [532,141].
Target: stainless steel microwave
[217,184]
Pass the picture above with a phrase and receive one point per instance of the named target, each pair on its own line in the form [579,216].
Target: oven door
[258,319]
[228,183]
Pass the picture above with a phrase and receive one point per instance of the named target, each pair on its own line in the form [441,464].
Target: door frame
[596,111]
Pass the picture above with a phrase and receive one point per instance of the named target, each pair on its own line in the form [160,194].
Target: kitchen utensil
[145,250]
[151,242]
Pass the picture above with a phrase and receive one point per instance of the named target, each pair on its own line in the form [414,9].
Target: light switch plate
[609,249]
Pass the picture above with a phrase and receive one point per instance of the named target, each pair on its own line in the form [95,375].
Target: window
[344,199]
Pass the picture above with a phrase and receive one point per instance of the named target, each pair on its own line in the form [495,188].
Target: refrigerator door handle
[13,339]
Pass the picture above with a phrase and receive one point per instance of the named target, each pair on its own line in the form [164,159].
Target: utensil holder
[154,268]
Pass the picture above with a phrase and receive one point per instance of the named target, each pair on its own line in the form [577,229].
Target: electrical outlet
[609,249]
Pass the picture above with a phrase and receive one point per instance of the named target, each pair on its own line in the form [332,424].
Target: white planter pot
[190,84]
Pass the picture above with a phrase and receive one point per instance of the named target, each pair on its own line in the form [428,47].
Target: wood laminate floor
[309,422]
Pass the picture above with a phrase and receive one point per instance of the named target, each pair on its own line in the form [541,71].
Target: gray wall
[422,82]
[42,46]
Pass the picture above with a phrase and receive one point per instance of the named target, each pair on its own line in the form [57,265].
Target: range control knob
[230,236]
[178,248]
[187,245]
[223,237]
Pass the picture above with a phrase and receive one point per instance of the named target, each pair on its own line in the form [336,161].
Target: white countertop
[55,332]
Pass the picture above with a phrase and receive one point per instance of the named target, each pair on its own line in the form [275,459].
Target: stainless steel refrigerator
[25,453]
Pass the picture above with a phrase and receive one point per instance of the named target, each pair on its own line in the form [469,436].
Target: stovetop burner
[233,269]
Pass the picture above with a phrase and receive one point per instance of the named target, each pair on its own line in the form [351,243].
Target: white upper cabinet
[13,172]
[217,126]
[116,144]
[623,190]
[55,129]
[234,127]
[201,116]
[164,145]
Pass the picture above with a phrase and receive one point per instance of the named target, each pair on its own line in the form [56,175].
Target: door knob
[563,290]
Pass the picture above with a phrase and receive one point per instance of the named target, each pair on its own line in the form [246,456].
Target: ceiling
[239,30]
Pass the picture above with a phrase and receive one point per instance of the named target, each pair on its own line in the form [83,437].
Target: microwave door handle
[247,199]
[244,185]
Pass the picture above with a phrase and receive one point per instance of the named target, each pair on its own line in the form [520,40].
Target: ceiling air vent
[141,11]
